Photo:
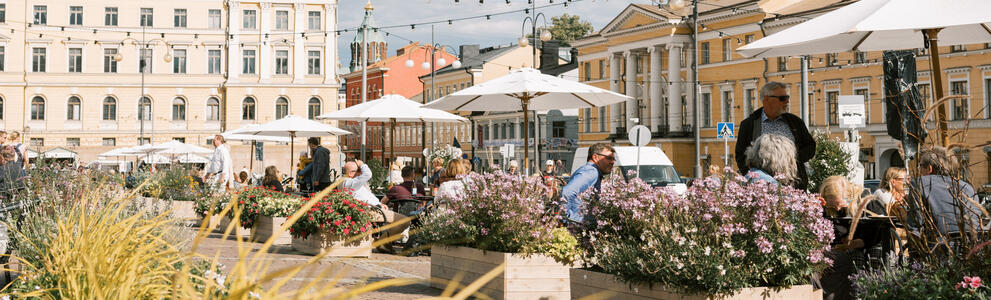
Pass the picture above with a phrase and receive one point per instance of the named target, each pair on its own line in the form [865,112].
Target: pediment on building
[635,15]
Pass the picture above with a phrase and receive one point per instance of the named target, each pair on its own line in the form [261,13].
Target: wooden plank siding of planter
[334,245]
[213,221]
[535,277]
[181,210]
[266,227]
[586,283]
[225,221]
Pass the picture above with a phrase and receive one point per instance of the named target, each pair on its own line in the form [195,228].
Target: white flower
[680,265]
[254,295]
[706,250]
[699,277]
[722,272]
[220,280]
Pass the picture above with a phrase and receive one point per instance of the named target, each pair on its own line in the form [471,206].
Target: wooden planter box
[266,227]
[333,244]
[183,210]
[238,230]
[536,277]
[586,283]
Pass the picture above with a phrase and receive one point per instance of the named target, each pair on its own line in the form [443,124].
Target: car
[655,167]
[872,184]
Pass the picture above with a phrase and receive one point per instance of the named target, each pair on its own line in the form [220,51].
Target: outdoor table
[874,231]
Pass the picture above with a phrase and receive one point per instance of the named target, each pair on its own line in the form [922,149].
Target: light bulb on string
[118,57]
[168,57]
[508,3]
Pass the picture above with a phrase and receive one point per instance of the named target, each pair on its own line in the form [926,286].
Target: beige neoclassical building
[72,73]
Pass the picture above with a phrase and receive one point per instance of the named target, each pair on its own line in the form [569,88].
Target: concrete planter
[212,222]
[266,227]
[183,210]
[586,283]
[536,277]
[333,244]
[225,221]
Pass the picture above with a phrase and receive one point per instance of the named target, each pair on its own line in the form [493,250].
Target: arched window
[212,109]
[72,109]
[178,109]
[281,108]
[313,108]
[1,108]
[109,109]
[248,109]
[144,109]
[37,108]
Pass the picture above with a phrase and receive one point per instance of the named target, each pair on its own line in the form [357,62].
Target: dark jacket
[12,176]
[273,184]
[321,165]
[804,142]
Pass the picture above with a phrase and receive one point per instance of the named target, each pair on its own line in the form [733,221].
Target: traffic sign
[725,130]
[639,135]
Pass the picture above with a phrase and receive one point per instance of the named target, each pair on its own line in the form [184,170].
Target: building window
[178,109]
[1,108]
[587,120]
[727,106]
[281,62]
[144,109]
[213,61]
[75,60]
[37,142]
[313,62]
[313,108]
[110,16]
[831,106]
[859,57]
[812,101]
[3,56]
[249,18]
[146,62]
[3,12]
[179,18]
[704,49]
[958,48]
[867,104]
[248,62]
[313,20]
[144,141]
[727,49]
[212,109]
[147,15]
[37,108]
[179,61]
[706,99]
[960,106]
[587,68]
[602,118]
[109,109]
[748,39]
[110,142]
[109,64]
[281,20]
[40,15]
[749,100]
[213,18]
[602,68]
[987,98]
[72,109]
[72,142]
[248,109]
[75,15]
[281,108]
[38,59]
[831,59]
[557,129]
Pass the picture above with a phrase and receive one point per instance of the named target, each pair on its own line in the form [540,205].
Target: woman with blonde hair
[451,185]
[892,189]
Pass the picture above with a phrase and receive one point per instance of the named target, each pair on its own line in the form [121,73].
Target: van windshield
[654,175]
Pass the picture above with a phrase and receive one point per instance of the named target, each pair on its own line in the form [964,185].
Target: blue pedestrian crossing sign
[724,130]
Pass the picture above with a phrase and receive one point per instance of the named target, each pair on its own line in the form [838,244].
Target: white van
[655,167]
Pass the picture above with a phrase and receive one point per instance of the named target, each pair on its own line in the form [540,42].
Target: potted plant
[726,238]
[208,209]
[338,224]
[500,219]
[272,212]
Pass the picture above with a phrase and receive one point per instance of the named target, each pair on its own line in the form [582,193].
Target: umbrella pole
[937,83]
[251,158]
[292,137]
[392,142]
[526,135]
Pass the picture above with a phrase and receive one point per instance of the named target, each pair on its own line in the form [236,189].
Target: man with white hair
[774,118]
[221,169]
[358,175]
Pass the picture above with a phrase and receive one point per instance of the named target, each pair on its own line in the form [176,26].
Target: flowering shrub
[248,200]
[339,212]
[214,202]
[446,152]
[937,280]
[277,206]
[497,212]
[722,236]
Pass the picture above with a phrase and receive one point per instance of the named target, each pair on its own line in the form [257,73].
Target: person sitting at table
[892,189]
[835,281]
[451,186]
[358,174]
[772,155]
[407,189]
[271,179]
[938,198]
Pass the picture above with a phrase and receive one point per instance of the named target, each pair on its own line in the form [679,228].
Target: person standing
[601,158]
[774,118]
[221,168]
[321,165]
[14,139]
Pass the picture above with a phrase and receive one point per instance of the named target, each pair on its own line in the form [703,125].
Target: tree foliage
[830,160]
[567,28]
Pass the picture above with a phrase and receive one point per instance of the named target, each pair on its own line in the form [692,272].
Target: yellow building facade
[645,52]
[72,72]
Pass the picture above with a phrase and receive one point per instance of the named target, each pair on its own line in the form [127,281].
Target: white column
[299,44]
[330,43]
[265,61]
[631,89]
[656,101]
[674,88]
[234,48]
[689,92]
[614,115]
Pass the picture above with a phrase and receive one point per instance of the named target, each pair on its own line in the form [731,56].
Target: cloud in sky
[499,30]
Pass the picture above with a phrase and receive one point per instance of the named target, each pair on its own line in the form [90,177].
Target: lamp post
[142,64]
[545,35]
[676,6]
[432,67]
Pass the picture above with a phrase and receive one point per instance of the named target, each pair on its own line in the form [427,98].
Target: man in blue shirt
[601,158]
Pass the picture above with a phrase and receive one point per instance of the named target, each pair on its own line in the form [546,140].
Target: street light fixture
[427,66]
[545,35]
[677,7]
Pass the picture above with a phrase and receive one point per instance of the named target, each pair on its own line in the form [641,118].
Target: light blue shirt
[756,174]
[587,176]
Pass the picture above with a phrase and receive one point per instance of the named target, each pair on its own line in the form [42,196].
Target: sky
[499,30]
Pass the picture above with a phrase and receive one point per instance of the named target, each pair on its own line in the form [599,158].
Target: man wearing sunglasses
[601,158]
[774,118]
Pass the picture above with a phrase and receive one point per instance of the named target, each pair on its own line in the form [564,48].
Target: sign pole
[725,151]
[638,152]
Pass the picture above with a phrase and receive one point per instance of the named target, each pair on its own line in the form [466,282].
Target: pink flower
[973,282]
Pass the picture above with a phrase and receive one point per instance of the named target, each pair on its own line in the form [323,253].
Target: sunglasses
[781,98]
[609,157]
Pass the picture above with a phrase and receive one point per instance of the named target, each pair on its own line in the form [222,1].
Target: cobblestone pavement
[353,272]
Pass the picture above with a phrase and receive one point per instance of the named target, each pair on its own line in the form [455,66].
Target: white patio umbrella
[123,151]
[293,126]
[193,159]
[238,135]
[523,90]
[155,159]
[871,25]
[177,147]
[392,108]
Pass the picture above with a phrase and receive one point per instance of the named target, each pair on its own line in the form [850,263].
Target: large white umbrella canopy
[177,147]
[392,108]
[293,126]
[143,149]
[193,159]
[523,90]
[123,151]
[156,159]
[870,25]
[238,135]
